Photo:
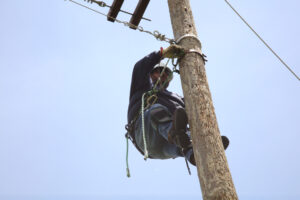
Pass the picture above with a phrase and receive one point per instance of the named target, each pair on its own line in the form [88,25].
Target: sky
[65,75]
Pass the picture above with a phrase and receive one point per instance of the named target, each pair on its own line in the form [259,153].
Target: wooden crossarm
[138,13]
[114,10]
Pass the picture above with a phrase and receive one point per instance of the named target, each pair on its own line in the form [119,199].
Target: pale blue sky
[64,85]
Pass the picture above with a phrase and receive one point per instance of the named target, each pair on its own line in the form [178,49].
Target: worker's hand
[173,51]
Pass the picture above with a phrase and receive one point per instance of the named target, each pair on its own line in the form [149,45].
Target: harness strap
[129,127]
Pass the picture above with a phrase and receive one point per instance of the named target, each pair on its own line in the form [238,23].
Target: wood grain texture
[213,170]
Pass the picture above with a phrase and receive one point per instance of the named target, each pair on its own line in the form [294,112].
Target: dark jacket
[141,83]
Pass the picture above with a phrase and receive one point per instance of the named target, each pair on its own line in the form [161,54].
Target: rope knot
[159,36]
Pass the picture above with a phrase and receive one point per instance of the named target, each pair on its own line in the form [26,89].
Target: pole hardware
[114,10]
[138,13]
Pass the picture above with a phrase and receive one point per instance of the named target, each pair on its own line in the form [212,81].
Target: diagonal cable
[155,34]
[103,4]
[263,41]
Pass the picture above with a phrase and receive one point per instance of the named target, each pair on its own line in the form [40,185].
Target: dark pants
[157,136]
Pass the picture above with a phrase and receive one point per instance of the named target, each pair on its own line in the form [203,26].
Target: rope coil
[146,155]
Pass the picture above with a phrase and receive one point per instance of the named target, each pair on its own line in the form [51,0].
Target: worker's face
[155,76]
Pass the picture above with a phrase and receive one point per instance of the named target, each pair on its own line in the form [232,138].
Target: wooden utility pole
[213,171]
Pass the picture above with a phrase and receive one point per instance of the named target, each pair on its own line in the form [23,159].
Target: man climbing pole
[157,121]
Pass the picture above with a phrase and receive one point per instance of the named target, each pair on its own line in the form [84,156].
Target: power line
[263,41]
[156,34]
[103,4]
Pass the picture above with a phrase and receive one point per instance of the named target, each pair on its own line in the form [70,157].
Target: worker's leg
[165,124]
[179,135]
[185,150]
[157,125]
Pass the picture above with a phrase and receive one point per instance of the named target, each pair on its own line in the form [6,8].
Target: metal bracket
[203,56]
[188,36]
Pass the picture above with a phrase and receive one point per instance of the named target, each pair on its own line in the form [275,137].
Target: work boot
[177,135]
[189,154]
[225,141]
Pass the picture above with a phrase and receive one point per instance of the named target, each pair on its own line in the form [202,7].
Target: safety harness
[151,98]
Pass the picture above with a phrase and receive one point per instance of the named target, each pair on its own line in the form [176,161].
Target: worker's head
[165,78]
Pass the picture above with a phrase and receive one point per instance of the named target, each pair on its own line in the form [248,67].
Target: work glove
[173,51]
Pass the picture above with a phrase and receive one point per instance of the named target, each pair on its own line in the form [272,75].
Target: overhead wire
[261,39]
[155,33]
[103,4]
[162,37]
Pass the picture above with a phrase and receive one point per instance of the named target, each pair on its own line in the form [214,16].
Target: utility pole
[213,170]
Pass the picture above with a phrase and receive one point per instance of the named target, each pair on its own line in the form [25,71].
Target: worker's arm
[140,75]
